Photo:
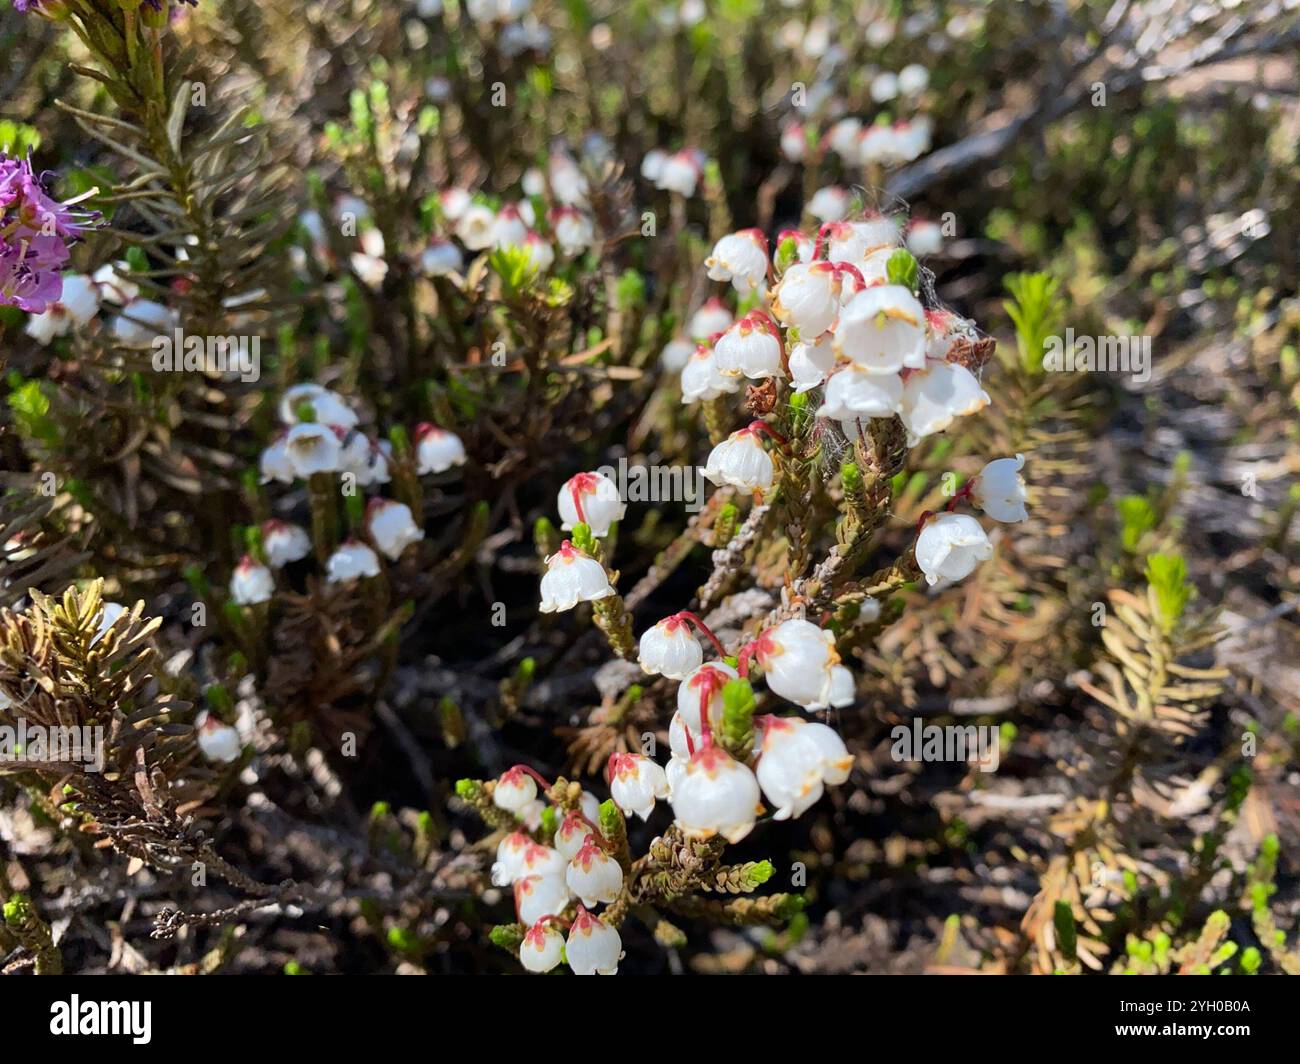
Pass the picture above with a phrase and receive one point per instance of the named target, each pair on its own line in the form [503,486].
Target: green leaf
[1066,935]
[1167,576]
[902,269]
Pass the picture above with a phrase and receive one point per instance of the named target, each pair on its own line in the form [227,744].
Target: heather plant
[648,487]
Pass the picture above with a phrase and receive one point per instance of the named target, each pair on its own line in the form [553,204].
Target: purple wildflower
[35,232]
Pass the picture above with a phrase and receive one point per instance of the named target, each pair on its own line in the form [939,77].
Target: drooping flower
[353,560]
[710,319]
[392,526]
[797,759]
[274,463]
[924,238]
[811,363]
[800,663]
[593,875]
[635,782]
[542,948]
[937,395]
[950,546]
[702,380]
[251,582]
[882,329]
[751,347]
[436,450]
[327,407]
[701,688]
[829,204]
[676,353]
[142,321]
[509,864]
[475,226]
[574,230]
[740,258]
[78,303]
[574,830]
[714,794]
[537,897]
[853,392]
[441,257]
[593,946]
[312,449]
[670,649]
[590,498]
[284,543]
[514,789]
[741,461]
[572,577]
[999,490]
[681,172]
[217,740]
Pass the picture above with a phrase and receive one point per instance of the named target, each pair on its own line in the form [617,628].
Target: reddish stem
[742,660]
[852,271]
[531,772]
[820,245]
[964,492]
[577,501]
[920,523]
[704,628]
[762,426]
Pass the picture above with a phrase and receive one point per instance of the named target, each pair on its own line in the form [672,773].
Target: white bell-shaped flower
[454,202]
[701,379]
[714,794]
[855,241]
[712,318]
[794,141]
[313,448]
[514,789]
[797,758]
[741,461]
[142,320]
[475,226]
[702,687]
[999,490]
[574,830]
[353,560]
[935,396]
[924,238]
[537,897]
[852,393]
[392,527]
[676,353]
[811,363]
[509,229]
[441,257]
[843,137]
[593,875]
[327,407]
[808,298]
[509,864]
[635,782]
[274,463]
[251,582]
[593,947]
[436,450]
[750,348]
[284,543]
[572,577]
[799,663]
[882,329]
[829,204]
[740,258]
[113,286]
[76,305]
[652,165]
[681,173]
[574,230]
[591,499]
[670,649]
[541,256]
[950,546]
[217,740]
[542,948]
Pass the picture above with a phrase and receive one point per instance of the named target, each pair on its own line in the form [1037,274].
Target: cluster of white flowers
[576,874]
[331,442]
[573,576]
